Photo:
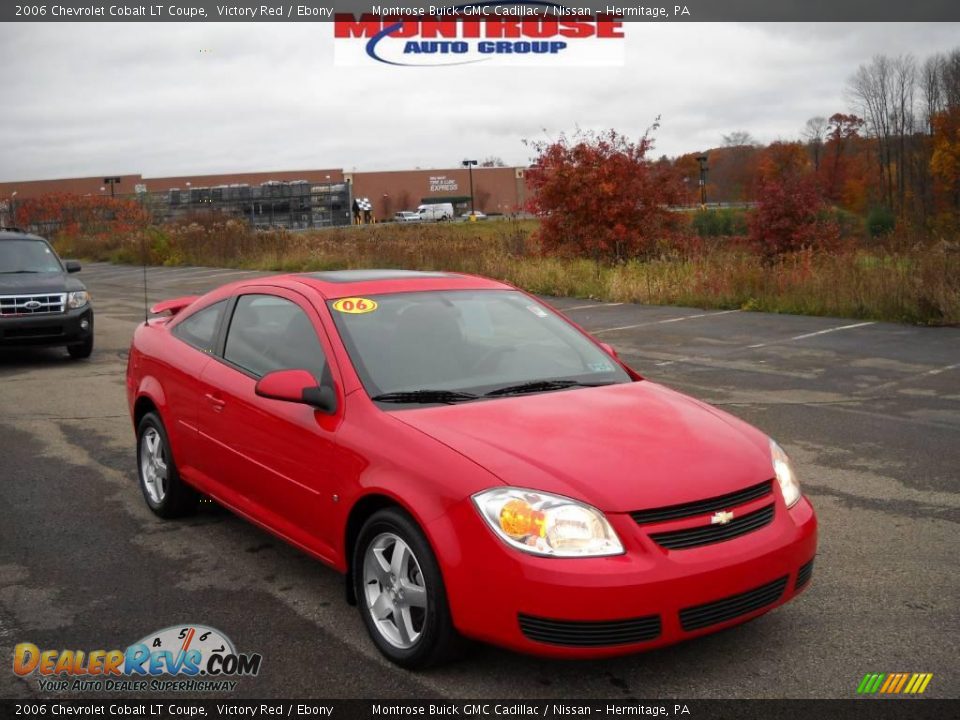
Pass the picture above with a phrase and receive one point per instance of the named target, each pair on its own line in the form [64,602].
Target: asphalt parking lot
[870,413]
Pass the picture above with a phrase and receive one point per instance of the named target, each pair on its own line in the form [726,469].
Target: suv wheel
[81,351]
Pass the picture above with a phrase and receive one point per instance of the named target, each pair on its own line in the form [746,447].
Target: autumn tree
[842,132]
[739,138]
[945,162]
[814,132]
[598,195]
[789,214]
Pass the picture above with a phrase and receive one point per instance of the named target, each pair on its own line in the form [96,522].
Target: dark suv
[40,304]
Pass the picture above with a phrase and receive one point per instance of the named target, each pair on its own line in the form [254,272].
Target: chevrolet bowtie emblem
[721,518]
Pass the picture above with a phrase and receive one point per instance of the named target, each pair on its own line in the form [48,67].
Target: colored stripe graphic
[894,683]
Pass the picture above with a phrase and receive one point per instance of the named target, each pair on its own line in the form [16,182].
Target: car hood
[620,448]
[37,283]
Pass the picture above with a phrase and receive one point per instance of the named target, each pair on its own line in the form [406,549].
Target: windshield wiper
[425,396]
[540,386]
[17,272]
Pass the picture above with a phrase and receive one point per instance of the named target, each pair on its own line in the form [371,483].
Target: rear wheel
[400,591]
[166,494]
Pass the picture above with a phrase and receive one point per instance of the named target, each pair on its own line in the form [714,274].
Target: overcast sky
[91,99]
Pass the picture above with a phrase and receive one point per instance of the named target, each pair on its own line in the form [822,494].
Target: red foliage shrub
[790,214]
[598,196]
[67,217]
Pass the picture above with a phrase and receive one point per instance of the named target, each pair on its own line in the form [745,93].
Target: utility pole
[469,165]
[112,182]
[702,159]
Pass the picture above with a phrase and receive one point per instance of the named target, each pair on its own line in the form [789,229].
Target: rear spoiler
[174,305]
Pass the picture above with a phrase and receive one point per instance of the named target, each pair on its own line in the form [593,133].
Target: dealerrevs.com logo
[181,658]
[499,33]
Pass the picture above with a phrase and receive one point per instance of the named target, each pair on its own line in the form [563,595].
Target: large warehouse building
[295,198]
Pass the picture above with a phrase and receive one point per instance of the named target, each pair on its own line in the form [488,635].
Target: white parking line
[589,307]
[661,322]
[910,379]
[813,334]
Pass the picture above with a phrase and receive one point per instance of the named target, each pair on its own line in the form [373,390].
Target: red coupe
[473,461]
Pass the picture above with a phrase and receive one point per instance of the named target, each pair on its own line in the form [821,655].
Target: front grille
[51,331]
[701,507]
[803,575]
[18,305]
[584,633]
[718,611]
[709,534]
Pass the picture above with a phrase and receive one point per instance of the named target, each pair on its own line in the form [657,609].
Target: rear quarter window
[200,329]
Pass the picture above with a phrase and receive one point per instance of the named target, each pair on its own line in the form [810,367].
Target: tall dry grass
[917,284]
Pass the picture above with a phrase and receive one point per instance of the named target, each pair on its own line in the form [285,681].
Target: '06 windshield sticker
[355,305]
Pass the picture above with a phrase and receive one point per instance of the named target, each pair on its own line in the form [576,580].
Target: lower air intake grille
[708,534]
[719,611]
[803,575]
[575,633]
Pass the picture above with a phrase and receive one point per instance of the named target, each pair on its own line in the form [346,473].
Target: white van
[436,212]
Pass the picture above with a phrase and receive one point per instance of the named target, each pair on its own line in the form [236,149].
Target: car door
[181,372]
[276,461]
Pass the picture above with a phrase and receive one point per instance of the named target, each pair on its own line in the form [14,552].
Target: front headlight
[78,299]
[789,485]
[545,524]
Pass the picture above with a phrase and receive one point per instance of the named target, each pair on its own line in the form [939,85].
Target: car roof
[350,283]
[14,234]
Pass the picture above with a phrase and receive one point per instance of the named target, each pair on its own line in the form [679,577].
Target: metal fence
[295,205]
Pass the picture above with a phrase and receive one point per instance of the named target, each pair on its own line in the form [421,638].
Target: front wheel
[400,592]
[166,494]
[81,351]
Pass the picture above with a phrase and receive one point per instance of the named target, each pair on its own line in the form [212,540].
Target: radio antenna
[143,260]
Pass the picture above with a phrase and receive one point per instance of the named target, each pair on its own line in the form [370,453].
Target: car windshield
[457,346]
[27,256]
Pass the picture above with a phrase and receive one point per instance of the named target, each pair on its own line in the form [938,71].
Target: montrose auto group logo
[530,33]
[180,658]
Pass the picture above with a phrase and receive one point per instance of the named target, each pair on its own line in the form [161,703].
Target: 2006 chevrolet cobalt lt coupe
[474,462]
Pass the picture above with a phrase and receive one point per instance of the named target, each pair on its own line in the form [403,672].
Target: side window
[270,333]
[200,329]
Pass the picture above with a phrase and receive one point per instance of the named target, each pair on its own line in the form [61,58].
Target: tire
[164,491]
[419,636]
[81,351]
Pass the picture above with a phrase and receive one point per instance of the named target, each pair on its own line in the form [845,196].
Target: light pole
[469,165]
[702,159]
[112,182]
[13,208]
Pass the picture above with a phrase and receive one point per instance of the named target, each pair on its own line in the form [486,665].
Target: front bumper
[646,598]
[68,328]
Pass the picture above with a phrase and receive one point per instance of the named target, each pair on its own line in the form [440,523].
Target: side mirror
[609,348]
[297,386]
[72,266]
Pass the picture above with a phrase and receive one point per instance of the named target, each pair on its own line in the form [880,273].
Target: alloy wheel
[153,465]
[394,590]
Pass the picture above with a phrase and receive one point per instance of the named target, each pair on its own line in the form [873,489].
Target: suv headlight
[789,485]
[78,299]
[545,524]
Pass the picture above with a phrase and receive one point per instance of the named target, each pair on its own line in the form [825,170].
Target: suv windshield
[457,346]
[27,256]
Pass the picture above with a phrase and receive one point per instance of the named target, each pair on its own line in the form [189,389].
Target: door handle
[218,403]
